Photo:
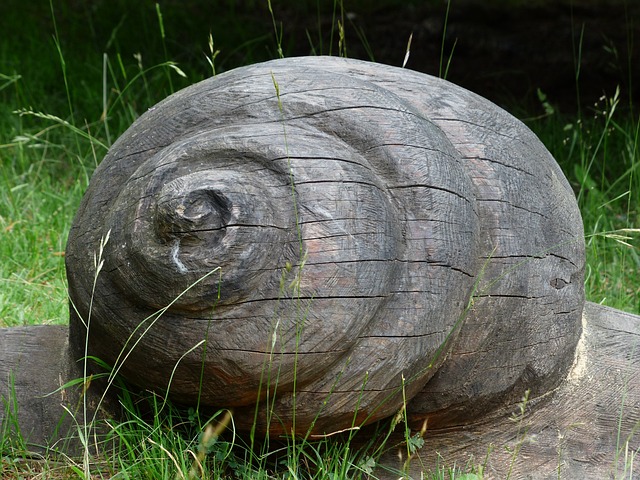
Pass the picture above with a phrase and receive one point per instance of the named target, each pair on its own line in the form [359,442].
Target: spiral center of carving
[185,213]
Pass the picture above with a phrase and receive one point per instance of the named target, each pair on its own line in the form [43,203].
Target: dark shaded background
[574,51]
[504,50]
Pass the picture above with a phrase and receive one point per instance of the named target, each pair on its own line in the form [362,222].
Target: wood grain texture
[582,429]
[34,363]
[322,225]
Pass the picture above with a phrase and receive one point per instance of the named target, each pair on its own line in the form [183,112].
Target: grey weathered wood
[411,197]
[35,363]
[575,427]
[588,427]
[356,234]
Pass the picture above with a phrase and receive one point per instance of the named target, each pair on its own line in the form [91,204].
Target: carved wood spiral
[338,228]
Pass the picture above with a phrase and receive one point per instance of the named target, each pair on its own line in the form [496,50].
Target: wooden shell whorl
[323,225]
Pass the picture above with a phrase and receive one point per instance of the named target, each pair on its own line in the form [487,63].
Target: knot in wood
[189,208]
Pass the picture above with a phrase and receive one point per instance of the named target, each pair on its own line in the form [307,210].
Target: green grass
[38,195]
[600,155]
[52,137]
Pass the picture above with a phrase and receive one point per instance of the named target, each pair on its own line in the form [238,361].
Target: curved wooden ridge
[326,237]
[352,211]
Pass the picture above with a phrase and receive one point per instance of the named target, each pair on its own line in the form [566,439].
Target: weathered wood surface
[34,363]
[393,196]
[581,428]
[356,233]
[587,428]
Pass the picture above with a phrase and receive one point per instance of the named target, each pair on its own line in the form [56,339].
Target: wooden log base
[34,364]
[584,429]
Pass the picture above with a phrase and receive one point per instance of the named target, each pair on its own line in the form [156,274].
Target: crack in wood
[503,164]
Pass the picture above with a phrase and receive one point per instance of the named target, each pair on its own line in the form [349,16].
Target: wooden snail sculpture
[332,239]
